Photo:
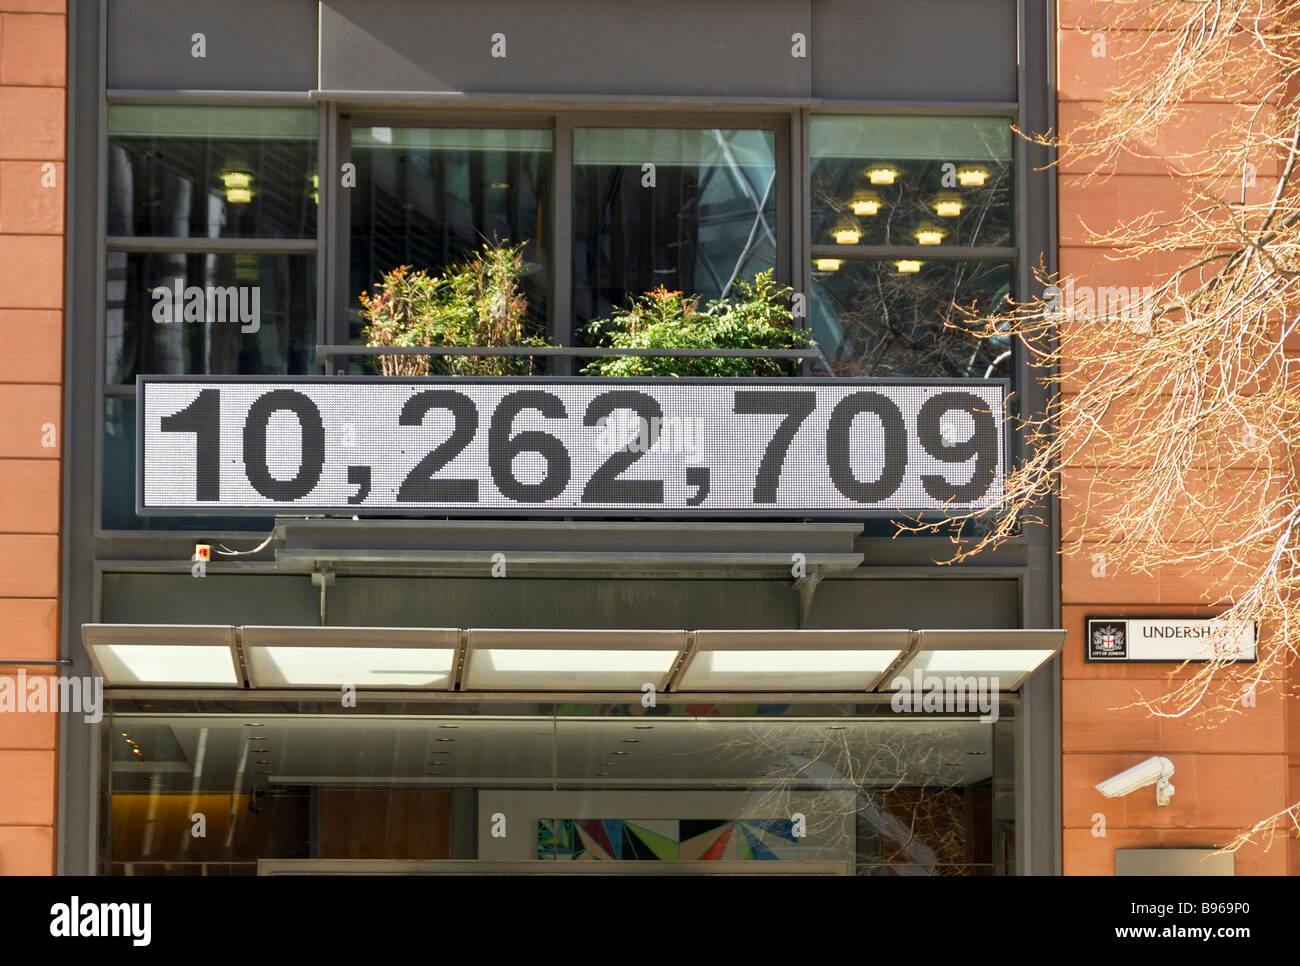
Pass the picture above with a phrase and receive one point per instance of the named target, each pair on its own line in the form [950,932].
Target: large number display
[673,447]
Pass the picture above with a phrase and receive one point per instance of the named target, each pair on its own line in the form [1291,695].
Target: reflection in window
[911,181]
[428,197]
[211,172]
[887,318]
[224,314]
[580,782]
[691,210]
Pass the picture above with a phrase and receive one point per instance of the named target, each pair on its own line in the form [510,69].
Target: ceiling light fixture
[972,177]
[882,175]
[239,187]
[908,266]
[847,236]
[866,206]
[929,236]
[828,264]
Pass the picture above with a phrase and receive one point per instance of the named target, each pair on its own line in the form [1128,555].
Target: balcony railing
[326,353]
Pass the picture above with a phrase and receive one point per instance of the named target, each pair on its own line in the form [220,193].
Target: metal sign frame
[541,382]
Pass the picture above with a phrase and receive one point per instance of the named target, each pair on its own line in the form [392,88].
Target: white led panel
[672,447]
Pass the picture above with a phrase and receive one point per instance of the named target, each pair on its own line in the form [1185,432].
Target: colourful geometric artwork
[663,840]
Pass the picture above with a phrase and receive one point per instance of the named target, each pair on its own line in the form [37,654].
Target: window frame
[331,246]
[560,229]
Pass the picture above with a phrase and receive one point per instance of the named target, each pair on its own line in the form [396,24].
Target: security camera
[1154,771]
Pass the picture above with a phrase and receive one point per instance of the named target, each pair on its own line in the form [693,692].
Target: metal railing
[326,353]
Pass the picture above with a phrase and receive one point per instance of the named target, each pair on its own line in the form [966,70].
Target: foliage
[757,316]
[1173,431]
[477,302]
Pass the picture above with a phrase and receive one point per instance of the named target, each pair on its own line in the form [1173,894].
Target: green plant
[477,302]
[756,316]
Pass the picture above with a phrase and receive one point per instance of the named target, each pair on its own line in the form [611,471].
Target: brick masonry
[33,110]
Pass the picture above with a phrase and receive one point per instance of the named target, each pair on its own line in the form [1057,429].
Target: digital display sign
[570,447]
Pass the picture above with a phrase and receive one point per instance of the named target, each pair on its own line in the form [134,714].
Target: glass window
[889,318]
[221,314]
[691,210]
[580,782]
[211,172]
[911,181]
[428,197]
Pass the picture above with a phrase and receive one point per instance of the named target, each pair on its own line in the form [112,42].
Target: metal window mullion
[325,128]
[801,210]
[562,239]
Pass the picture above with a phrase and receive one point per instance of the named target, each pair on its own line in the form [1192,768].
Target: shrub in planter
[756,316]
[477,302]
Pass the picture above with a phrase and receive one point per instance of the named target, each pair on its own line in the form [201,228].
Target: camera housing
[1154,771]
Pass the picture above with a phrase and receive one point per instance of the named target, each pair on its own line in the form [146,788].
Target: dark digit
[419,486]
[503,448]
[698,477]
[983,445]
[202,418]
[312,459]
[839,447]
[359,476]
[604,485]
[795,406]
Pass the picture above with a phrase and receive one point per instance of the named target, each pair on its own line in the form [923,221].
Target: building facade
[490,670]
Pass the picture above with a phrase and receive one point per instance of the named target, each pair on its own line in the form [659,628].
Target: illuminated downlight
[883,175]
[828,264]
[847,236]
[948,209]
[239,187]
[908,266]
[864,207]
[972,177]
[929,236]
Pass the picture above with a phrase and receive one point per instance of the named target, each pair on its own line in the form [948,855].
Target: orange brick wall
[1228,778]
[33,99]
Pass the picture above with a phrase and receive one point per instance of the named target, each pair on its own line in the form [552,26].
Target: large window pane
[717,784]
[428,197]
[692,210]
[211,172]
[911,181]
[224,314]
[878,318]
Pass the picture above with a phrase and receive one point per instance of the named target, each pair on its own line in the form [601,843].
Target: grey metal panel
[671,47]
[79,751]
[1038,776]
[214,599]
[933,602]
[936,49]
[667,604]
[1173,862]
[267,45]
